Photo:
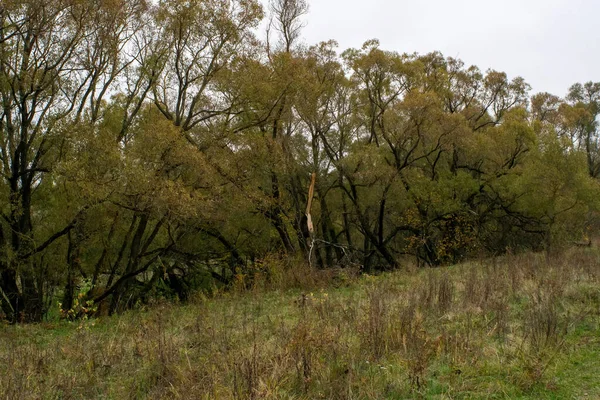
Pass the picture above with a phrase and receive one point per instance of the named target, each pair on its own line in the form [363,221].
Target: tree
[53,60]
[150,148]
[581,121]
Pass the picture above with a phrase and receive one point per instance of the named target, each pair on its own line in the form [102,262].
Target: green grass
[518,327]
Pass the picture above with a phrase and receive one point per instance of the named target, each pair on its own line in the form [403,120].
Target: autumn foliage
[150,149]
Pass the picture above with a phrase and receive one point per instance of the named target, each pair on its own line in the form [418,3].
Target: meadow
[519,326]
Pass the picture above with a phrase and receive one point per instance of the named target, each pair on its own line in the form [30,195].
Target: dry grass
[517,326]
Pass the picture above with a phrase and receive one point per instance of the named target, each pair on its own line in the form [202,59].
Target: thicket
[154,148]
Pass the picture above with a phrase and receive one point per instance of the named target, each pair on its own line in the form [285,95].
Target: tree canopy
[152,147]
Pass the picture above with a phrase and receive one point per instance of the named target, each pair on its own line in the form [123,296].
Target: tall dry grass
[309,334]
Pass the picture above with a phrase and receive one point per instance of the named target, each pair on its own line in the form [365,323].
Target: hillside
[513,327]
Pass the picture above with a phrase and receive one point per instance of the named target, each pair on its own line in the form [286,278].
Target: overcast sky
[550,43]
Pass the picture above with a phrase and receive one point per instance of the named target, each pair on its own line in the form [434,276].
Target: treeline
[151,146]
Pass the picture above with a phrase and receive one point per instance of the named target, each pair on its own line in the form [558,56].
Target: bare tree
[286,19]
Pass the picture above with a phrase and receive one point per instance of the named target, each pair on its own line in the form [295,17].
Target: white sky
[550,43]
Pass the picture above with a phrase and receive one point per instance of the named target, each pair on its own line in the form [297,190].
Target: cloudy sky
[550,43]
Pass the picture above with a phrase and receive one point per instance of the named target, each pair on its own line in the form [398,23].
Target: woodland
[156,149]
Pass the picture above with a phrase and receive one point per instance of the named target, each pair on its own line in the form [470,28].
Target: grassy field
[517,327]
